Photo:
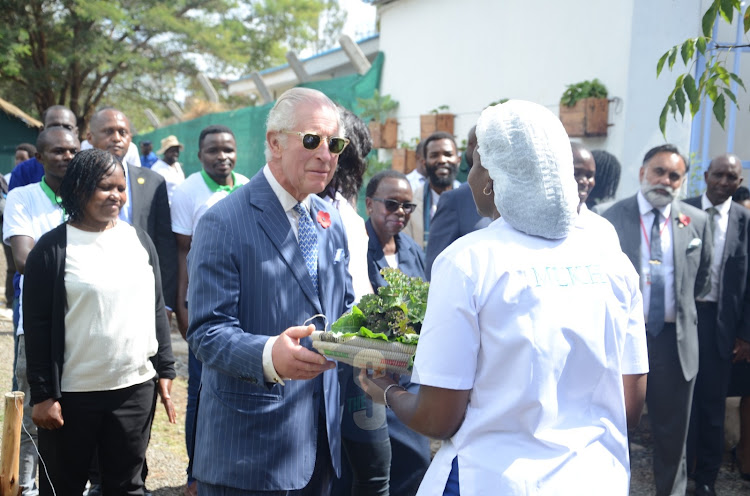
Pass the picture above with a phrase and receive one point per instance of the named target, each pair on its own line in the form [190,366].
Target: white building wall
[470,53]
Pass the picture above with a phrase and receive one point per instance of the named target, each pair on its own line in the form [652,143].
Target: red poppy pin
[684,220]
[324,219]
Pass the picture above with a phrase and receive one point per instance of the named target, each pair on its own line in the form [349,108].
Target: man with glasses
[669,244]
[265,262]
[30,212]
[441,163]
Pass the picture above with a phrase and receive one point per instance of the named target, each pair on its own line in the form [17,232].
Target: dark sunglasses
[393,205]
[312,141]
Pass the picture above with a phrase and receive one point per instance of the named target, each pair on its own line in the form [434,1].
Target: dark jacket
[410,257]
[44,307]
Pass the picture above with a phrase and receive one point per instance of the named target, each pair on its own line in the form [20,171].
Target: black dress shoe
[704,490]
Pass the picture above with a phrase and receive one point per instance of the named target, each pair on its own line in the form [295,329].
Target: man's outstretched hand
[294,361]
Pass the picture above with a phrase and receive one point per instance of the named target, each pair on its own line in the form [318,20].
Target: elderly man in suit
[456,213]
[265,261]
[147,205]
[723,318]
[669,243]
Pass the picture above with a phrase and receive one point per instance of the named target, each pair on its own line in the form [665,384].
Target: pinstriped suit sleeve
[215,335]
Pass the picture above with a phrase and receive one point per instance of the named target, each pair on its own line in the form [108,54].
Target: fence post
[11,446]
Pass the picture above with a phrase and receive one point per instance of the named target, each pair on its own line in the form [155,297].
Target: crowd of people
[554,313]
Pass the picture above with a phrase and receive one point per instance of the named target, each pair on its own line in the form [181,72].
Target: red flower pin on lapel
[683,220]
[324,219]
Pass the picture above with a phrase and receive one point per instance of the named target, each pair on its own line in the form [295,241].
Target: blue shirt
[27,172]
[148,160]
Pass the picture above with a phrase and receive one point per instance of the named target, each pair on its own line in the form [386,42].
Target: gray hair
[282,116]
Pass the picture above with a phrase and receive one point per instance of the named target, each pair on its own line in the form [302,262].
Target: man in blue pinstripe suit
[268,412]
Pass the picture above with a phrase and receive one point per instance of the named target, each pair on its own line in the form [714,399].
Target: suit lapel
[324,254]
[680,240]
[135,192]
[275,224]
[733,234]
[630,238]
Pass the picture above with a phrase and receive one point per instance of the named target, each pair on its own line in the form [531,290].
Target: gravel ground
[167,458]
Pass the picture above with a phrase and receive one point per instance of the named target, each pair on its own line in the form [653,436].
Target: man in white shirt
[168,166]
[217,152]
[723,318]
[30,212]
[441,162]
[664,239]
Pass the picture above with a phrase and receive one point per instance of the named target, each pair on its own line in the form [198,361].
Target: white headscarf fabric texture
[527,153]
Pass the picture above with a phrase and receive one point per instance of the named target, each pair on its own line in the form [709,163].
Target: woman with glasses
[389,206]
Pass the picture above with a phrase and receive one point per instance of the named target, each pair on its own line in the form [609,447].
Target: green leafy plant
[716,80]
[442,109]
[585,89]
[411,144]
[378,108]
[496,102]
[396,313]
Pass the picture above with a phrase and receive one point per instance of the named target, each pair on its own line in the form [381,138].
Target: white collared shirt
[720,239]
[667,262]
[287,203]
[287,200]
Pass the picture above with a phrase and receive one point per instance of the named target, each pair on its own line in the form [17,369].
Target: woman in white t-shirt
[532,357]
[98,343]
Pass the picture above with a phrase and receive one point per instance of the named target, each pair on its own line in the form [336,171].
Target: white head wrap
[527,153]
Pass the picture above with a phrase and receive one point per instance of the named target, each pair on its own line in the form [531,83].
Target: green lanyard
[214,186]
[56,200]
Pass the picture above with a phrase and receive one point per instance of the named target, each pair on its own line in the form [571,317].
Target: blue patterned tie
[308,242]
[655,322]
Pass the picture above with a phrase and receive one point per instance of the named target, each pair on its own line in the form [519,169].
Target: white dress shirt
[287,203]
[667,262]
[720,238]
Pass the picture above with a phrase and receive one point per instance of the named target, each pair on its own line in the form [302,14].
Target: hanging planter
[404,160]
[584,109]
[383,129]
[437,120]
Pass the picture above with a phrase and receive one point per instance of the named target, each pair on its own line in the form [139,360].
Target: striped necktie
[308,242]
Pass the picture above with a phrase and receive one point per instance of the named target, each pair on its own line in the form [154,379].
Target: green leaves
[397,311]
[715,82]
[585,89]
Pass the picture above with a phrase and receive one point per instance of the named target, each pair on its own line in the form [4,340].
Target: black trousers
[116,423]
[705,445]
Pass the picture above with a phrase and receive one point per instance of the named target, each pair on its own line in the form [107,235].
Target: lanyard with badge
[651,261]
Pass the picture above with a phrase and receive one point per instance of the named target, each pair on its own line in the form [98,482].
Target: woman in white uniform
[532,357]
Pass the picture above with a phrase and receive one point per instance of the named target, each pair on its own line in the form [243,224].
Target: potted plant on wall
[377,110]
[438,119]
[584,109]
[404,157]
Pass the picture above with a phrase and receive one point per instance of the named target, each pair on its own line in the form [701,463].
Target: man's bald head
[52,136]
[723,177]
[60,116]
[109,129]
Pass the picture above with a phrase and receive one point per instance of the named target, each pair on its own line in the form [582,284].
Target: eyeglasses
[393,205]
[312,141]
